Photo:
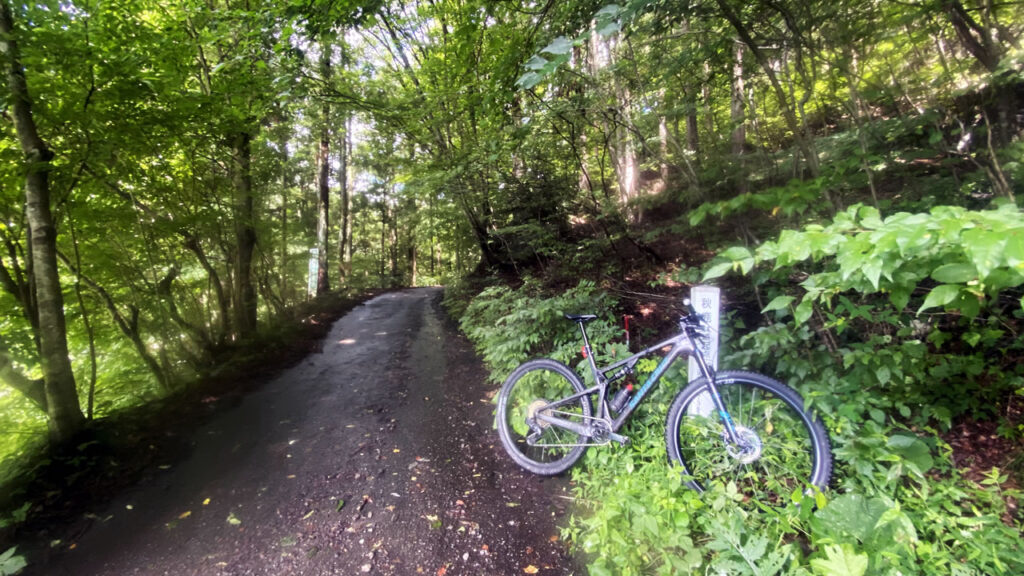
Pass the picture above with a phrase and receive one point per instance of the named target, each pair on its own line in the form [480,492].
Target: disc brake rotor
[750,446]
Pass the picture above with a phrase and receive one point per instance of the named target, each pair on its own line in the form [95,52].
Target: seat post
[583,330]
[590,353]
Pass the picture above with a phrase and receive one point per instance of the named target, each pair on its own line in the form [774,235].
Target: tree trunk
[412,262]
[692,129]
[383,240]
[786,107]
[245,235]
[625,157]
[988,51]
[393,246]
[86,323]
[345,233]
[323,199]
[737,117]
[975,38]
[283,285]
[706,98]
[63,409]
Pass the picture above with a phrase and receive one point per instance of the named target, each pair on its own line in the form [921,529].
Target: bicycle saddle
[583,318]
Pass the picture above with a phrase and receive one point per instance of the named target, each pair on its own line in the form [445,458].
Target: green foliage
[11,563]
[854,316]
[967,258]
[897,504]
[795,198]
[512,326]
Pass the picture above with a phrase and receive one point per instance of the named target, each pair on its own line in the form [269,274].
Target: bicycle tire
[532,384]
[793,448]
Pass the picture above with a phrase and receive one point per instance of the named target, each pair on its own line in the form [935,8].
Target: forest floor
[374,455]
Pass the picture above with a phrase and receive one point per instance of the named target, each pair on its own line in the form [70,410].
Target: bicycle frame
[680,344]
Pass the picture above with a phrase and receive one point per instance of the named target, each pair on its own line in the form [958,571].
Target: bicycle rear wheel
[538,446]
[787,449]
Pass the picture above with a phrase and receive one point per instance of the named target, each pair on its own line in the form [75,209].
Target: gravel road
[375,456]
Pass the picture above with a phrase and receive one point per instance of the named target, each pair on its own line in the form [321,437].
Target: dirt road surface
[375,456]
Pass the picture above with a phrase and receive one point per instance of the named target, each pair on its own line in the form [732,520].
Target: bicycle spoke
[776,450]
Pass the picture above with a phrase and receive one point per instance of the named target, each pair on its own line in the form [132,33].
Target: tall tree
[64,412]
[323,182]
[345,229]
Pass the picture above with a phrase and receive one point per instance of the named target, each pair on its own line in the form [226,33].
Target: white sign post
[314,270]
[706,300]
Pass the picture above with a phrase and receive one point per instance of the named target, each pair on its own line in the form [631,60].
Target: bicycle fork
[732,434]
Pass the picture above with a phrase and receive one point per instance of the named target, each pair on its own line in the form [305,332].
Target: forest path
[375,456]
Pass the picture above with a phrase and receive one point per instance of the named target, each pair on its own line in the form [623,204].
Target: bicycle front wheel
[784,450]
[540,447]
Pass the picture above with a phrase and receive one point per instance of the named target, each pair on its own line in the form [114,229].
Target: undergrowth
[886,381]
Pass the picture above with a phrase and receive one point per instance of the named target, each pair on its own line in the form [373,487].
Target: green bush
[512,326]
[897,504]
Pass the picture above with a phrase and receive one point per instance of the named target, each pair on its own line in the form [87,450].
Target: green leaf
[536,63]
[10,563]
[718,270]
[940,296]
[736,253]
[558,46]
[850,515]
[1014,252]
[803,311]
[741,257]
[899,297]
[840,561]
[529,80]
[872,269]
[608,29]
[914,451]
[956,273]
[985,248]
[778,303]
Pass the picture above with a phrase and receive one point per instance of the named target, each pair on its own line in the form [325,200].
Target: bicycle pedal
[622,440]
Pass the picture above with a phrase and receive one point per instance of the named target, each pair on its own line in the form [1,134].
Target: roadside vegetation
[885,285]
[849,173]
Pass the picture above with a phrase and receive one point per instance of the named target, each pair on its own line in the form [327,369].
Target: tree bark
[245,235]
[323,203]
[63,409]
[345,233]
[974,38]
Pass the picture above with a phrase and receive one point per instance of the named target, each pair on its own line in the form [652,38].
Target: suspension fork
[716,398]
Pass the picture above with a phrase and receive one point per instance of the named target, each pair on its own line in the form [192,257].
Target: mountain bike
[730,425]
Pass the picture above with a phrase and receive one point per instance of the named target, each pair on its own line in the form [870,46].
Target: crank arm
[622,440]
